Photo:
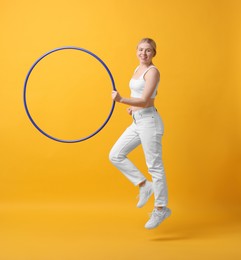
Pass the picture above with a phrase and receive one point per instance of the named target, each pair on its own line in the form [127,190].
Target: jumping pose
[147,130]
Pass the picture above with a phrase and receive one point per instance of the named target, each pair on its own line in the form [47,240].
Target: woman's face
[145,53]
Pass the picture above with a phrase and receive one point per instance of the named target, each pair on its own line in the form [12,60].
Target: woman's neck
[145,65]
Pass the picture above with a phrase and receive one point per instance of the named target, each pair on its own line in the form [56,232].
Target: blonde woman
[147,130]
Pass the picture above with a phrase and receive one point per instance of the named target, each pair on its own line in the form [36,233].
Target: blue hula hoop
[25,95]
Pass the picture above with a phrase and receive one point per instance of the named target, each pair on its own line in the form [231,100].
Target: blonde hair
[151,42]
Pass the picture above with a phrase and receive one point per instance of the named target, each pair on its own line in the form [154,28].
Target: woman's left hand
[116,96]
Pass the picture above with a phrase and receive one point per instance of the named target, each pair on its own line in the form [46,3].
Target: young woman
[147,130]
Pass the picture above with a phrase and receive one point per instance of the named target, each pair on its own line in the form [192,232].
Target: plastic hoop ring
[25,95]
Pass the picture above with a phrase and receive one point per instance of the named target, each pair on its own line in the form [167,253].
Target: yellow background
[66,201]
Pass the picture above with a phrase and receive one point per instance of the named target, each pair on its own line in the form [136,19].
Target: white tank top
[137,85]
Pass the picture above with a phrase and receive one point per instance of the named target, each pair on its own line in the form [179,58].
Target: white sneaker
[145,193]
[157,216]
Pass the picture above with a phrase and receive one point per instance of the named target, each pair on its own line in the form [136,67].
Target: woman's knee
[116,157]
[113,157]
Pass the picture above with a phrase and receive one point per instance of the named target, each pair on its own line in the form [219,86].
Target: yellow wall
[199,97]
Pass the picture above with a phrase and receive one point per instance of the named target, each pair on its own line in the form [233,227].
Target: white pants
[147,130]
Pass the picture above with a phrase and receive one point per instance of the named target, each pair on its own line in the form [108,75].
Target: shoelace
[141,192]
[154,214]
